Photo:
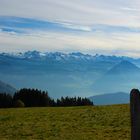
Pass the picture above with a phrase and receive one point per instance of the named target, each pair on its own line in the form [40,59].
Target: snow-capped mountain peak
[60,56]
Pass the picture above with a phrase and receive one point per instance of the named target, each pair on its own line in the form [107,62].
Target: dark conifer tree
[5,100]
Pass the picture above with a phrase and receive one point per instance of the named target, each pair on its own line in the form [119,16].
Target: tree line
[37,98]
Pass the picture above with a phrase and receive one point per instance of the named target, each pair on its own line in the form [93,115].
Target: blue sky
[99,26]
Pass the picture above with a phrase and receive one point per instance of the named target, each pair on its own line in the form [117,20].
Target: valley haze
[70,74]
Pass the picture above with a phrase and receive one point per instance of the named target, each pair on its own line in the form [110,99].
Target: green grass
[69,123]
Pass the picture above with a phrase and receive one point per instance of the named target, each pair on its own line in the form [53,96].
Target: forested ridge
[37,98]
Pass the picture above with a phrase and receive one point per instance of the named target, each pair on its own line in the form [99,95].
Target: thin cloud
[52,41]
[28,25]
[75,11]
[130,9]
[76,25]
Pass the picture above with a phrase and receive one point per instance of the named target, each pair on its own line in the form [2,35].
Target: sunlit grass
[69,123]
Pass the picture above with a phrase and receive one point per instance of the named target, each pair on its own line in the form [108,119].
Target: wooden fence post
[135,114]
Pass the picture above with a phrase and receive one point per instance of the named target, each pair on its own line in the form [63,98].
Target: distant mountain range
[6,88]
[111,98]
[70,74]
[59,56]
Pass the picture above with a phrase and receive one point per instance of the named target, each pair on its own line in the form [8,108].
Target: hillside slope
[6,88]
[122,77]
[111,98]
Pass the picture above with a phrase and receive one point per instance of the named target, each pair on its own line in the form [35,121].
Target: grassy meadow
[66,123]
